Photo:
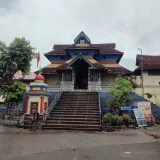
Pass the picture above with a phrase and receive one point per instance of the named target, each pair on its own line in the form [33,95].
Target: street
[19,144]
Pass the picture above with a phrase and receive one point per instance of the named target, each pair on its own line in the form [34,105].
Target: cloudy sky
[128,23]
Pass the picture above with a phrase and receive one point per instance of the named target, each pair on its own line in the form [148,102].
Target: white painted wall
[107,79]
[151,85]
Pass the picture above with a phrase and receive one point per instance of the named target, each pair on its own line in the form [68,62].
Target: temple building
[151,77]
[83,65]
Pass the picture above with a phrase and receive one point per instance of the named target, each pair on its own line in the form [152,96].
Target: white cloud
[128,23]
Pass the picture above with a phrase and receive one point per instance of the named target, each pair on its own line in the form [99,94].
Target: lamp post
[142,72]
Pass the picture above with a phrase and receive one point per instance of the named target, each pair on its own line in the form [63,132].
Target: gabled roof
[80,56]
[93,63]
[149,61]
[82,34]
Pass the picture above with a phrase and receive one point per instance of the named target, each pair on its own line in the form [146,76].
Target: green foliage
[115,119]
[16,92]
[149,96]
[108,117]
[15,57]
[126,118]
[121,92]
[21,53]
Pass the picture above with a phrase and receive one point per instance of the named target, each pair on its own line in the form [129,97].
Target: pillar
[73,77]
[27,100]
[88,75]
[99,76]
[41,104]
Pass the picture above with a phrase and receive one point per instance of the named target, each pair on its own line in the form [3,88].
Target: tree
[121,93]
[16,92]
[13,58]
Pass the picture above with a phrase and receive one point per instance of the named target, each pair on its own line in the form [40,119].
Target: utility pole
[142,72]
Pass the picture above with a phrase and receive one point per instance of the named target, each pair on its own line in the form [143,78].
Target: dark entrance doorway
[81,74]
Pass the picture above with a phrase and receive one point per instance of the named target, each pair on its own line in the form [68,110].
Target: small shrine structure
[36,98]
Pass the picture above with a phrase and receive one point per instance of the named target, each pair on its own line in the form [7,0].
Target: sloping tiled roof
[30,76]
[119,70]
[108,48]
[115,68]
[95,64]
[49,71]
[149,62]
[64,65]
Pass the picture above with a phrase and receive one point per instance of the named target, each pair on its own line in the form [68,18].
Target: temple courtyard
[20,144]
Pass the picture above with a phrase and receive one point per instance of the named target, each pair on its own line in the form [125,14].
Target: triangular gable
[82,37]
[78,57]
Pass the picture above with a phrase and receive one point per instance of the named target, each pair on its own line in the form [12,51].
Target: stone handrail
[59,88]
[52,105]
[100,112]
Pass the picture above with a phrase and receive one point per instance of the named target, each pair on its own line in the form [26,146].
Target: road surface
[19,144]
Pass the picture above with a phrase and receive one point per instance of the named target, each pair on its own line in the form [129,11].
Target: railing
[13,114]
[59,88]
[15,110]
[100,112]
[53,104]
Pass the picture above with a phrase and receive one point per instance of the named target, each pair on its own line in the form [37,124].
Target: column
[27,100]
[41,104]
[89,75]
[73,77]
[62,76]
[99,76]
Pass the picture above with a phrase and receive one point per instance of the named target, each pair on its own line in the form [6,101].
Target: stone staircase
[75,111]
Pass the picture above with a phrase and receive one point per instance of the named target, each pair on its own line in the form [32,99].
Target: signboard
[146,109]
[140,117]
[126,108]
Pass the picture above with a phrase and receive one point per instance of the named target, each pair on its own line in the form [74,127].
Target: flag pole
[39,62]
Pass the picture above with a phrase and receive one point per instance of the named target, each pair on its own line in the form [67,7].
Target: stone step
[75,109]
[72,122]
[74,113]
[80,93]
[77,105]
[74,125]
[88,129]
[74,116]
[79,99]
[73,119]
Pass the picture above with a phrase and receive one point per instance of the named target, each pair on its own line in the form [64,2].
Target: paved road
[17,144]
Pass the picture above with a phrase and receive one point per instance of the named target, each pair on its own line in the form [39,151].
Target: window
[82,41]
[153,72]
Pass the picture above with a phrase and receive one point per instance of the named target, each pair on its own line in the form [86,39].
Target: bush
[116,120]
[113,119]
[108,117]
[126,118]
